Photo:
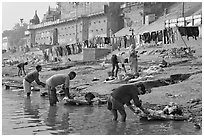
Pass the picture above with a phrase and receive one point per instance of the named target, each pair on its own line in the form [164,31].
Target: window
[101,29]
[104,20]
[97,30]
[99,21]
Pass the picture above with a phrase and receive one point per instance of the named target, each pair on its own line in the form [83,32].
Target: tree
[16,34]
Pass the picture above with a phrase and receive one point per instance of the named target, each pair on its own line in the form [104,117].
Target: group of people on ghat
[120,59]
[117,99]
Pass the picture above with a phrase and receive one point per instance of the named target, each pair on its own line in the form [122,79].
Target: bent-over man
[21,68]
[59,79]
[121,96]
[29,78]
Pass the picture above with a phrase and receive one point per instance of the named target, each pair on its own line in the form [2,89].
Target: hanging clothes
[68,49]
[140,39]
[100,40]
[65,51]
[132,40]
[128,41]
[147,37]
[182,31]
[56,51]
[79,48]
[160,35]
[119,43]
[169,34]
[125,41]
[73,52]
[154,35]
[192,32]
[59,51]
[189,32]
[165,36]
[107,40]
[86,42]
[50,51]
[175,31]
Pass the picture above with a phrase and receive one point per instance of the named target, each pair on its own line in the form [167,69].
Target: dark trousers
[20,70]
[113,68]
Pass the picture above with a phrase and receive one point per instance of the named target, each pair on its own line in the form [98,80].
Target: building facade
[137,14]
[77,22]
[5,43]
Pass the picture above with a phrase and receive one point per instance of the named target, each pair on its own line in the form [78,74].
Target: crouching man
[54,81]
[121,96]
[29,78]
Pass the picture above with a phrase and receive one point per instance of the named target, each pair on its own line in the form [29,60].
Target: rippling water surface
[34,116]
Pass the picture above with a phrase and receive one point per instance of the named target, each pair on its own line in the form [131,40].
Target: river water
[34,116]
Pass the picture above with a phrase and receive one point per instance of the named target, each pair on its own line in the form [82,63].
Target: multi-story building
[5,43]
[137,14]
[76,21]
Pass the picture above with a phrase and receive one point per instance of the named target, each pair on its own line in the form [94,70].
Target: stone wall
[92,54]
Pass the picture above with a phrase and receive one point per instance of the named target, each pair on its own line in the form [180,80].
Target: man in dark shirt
[21,68]
[29,78]
[121,96]
[114,62]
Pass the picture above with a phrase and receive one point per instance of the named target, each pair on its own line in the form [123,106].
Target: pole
[183,9]
[76,3]
[181,37]
[183,14]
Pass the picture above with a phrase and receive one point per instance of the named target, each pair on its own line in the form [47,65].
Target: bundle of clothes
[170,112]
[88,99]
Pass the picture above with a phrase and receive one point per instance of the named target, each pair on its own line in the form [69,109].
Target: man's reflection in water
[65,125]
[116,128]
[52,114]
[31,109]
[176,124]
[88,110]
[166,126]
[65,121]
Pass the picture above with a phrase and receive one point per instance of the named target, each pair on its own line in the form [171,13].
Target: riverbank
[91,77]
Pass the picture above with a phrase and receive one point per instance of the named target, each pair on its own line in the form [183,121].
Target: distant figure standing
[163,64]
[114,62]
[121,60]
[29,78]
[21,68]
[133,58]
[56,80]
